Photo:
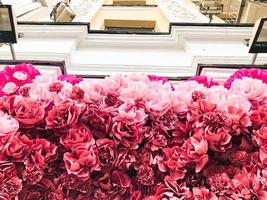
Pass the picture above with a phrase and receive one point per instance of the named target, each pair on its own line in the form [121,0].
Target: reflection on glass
[4,20]
[263,33]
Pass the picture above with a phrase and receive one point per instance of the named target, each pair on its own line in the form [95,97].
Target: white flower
[20,76]
[9,88]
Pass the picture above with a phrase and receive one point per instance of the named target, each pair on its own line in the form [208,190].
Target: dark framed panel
[222,71]
[45,67]
[7,25]
[258,43]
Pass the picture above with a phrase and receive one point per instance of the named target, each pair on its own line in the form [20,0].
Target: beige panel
[129,2]
[146,14]
[129,23]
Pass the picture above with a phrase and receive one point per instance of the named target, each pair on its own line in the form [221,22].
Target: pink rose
[43,152]
[28,112]
[82,162]
[17,147]
[107,153]
[63,116]
[172,163]
[126,134]
[77,136]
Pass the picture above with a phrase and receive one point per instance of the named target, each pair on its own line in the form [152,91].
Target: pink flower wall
[132,137]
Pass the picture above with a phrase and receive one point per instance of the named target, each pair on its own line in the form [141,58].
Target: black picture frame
[59,64]
[9,36]
[255,45]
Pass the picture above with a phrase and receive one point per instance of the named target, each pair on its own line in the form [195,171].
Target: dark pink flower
[27,111]
[126,134]
[63,116]
[17,147]
[107,153]
[32,174]
[45,189]
[172,163]
[42,153]
[239,157]
[70,79]
[207,82]
[82,162]
[77,93]
[145,175]
[11,186]
[77,136]
[219,183]
[56,87]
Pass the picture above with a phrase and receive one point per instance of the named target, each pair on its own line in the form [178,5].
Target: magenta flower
[70,79]
[207,82]
[21,74]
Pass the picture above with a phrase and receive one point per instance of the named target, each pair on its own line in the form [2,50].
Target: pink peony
[82,162]
[63,116]
[77,136]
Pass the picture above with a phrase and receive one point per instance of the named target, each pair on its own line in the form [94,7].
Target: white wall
[171,55]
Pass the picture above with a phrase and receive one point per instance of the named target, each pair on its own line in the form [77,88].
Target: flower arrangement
[131,137]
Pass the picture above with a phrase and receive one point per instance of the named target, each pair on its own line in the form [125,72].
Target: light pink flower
[8,124]
[254,90]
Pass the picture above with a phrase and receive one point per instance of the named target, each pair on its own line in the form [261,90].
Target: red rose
[107,153]
[77,93]
[77,136]
[56,87]
[43,152]
[65,115]
[101,122]
[82,162]
[17,147]
[126,134]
